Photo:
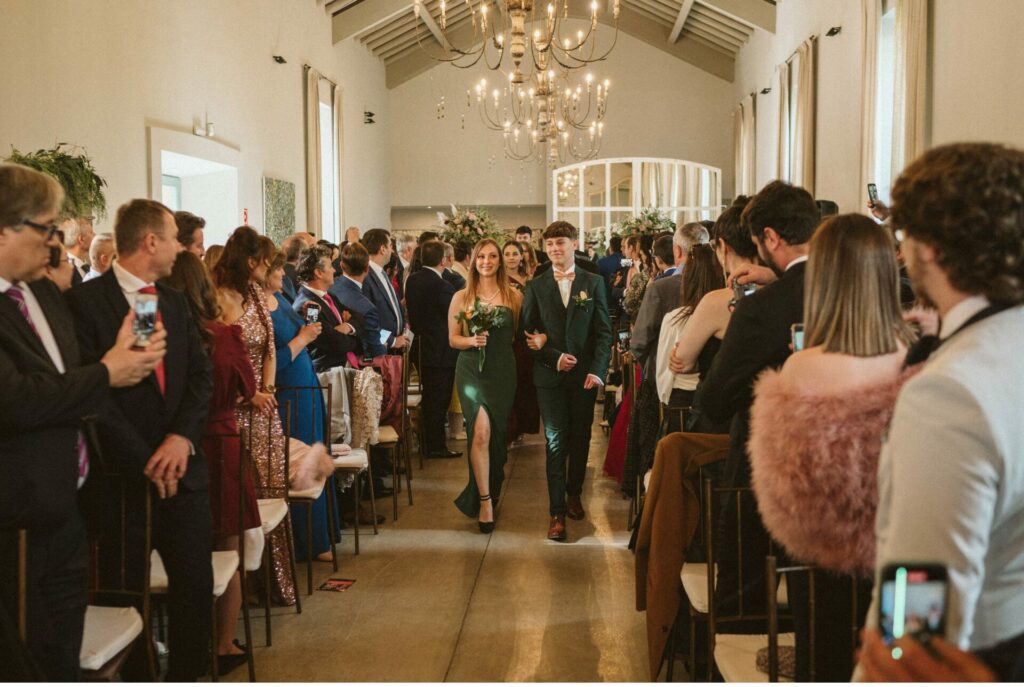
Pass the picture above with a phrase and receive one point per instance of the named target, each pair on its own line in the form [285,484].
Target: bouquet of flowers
[649,221]
[467,227]
[479,318]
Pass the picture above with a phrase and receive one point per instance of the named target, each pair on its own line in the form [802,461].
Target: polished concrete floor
[435,600]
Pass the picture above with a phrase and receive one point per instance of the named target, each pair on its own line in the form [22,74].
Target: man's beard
[766,258]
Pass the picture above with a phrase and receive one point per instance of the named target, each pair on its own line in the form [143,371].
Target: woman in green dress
[482,323]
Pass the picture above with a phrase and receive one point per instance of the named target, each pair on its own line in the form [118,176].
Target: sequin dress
[267,435]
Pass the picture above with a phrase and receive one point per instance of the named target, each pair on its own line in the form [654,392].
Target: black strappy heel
[486,527]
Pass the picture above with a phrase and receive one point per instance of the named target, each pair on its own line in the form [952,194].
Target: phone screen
[913,602]
[797,332]
[384,336]
[873,193]
[312,313]
[144,324]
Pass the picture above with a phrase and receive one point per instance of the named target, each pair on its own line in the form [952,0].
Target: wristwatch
[270,389]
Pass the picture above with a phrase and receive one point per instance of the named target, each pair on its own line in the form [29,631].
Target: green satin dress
[494,390]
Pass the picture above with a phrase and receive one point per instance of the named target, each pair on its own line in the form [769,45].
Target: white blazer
[671,331]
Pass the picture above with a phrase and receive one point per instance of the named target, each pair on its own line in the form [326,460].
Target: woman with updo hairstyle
[239,275]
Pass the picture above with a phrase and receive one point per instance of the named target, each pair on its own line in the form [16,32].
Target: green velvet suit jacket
[583,330]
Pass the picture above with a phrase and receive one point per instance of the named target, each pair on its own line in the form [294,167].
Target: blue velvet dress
[307,421]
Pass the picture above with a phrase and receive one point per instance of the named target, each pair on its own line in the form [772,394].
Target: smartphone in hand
[144,324]
[796,334]
[873,193]
[312,313]
[914,602]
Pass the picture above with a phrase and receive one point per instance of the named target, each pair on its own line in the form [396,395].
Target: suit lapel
[15,320]
[118,305]
[574,291]
[60,327]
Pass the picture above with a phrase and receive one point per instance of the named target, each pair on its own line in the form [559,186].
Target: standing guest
[429,297]
[190,232]
[461,264]
[612,261]
[352,235]
[48,390]
[155,429]
[378,289]
[642,271]
[515,265]
[239,275]
[232,378]
[571,346]
[213,254]
[449,273]
[348,290]
[61,270]
[338,337]
[956,427]
[414,262]
[405,245]
[525,416]
[78,235]
[486,383]
[101,255]
[524,234]
[529,258]
[293,246]
[295,369]
[664,262]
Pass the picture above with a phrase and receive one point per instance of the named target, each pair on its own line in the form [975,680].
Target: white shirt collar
[316,292]
[4,285]
[359,284]
[960,313]
[129,282]
[795,261]
[77,261]
[439,270]
[377,269]
[570,270]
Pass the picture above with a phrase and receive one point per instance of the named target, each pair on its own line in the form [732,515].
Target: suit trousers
[57,587]
[568,414]
[438,383]
[182,535]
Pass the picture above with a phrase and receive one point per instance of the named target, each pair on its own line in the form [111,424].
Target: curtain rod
[330,81]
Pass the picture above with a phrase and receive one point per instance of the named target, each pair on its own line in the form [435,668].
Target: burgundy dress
[232,376]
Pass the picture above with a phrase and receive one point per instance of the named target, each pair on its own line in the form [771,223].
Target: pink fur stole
[814,459]
[308,465]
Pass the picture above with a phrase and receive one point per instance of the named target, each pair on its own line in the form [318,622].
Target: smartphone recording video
[873,193]
[796,333]
[312,313]
[624,340]
[144,324]
[914,600]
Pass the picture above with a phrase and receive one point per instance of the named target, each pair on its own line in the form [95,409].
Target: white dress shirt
[382,277]
[564,285]
[667,380]
[39,321]
[78,264]
[960,313]
[129,283]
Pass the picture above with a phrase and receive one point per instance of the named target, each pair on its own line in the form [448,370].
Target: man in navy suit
[377,287]
[338,337]
[348,290]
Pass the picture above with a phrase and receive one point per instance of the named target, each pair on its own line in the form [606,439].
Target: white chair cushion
[272,512]
[356,460]
[108,631]
[694,577]
[255,540]
[313,493]
[225,564]
[387,435]
[647,480]
[157,574]
[340,449]
[736,656]
[413,401]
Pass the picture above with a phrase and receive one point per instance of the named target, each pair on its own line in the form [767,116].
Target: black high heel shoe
[485,527]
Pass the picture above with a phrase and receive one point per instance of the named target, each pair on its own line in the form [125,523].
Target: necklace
[491,297]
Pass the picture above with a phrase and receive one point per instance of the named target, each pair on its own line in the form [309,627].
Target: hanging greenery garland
[72,168]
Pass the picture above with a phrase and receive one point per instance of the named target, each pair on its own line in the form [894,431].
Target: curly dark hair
[310,261]
[966,200]
[789,210]
[233,270]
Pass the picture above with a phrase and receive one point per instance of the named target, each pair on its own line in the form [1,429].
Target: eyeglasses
[47,230]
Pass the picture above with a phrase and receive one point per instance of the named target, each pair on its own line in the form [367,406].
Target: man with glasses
[47,394]
[78,234]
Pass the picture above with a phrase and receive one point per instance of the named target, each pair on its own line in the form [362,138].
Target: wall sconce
[834,31]
[204,128]
[368,117]
[766,91]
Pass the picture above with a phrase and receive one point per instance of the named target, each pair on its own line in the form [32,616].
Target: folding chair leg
[309,549]
[214,659]
[247,622]
[267,571]
[291,560]
[396,481]
[373,495]
[332,530]
[407,458]
[358,495]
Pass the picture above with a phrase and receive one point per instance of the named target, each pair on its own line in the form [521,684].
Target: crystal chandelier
[536,51]
[549,114]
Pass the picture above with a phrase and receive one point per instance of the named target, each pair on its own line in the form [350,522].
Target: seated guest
[338,336]
[48,389]
[154,430]
[61,270]
[816,426]
[429,297]
[348,290]
[956,428]
[101,254]
[701,338]
[233,377]
[190,232]
[377,287]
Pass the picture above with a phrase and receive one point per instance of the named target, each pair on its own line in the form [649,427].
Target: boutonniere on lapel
[581,299]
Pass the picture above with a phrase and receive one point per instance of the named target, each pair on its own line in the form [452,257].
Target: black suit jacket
[290,283]
[41,413]
[374,291]
[138,418]
[428,296]
[364,313]
[456,280]
[757,339]
[331,348]
[582,262]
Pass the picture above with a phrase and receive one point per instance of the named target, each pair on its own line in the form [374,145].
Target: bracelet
[270,389]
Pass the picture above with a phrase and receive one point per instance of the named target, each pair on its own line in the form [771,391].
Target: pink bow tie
[564,276]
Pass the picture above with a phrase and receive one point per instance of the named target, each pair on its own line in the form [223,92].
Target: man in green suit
[565,315]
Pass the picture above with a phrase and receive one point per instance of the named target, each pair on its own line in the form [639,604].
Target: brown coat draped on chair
[669,521]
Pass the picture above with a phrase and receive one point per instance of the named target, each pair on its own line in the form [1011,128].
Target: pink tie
[334,309]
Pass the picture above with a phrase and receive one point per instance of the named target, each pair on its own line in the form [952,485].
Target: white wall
[97,73]
[659,106]
[975,71]
[205,195]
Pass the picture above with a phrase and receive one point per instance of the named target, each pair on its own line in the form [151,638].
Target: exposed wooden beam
[358,18]
[756,13]
[677,28]
[428,20]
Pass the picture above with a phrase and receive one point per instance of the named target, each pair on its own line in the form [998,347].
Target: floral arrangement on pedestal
[72,168]
[468,226]
[649,221]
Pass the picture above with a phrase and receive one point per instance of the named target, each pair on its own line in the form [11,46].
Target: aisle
[435,600]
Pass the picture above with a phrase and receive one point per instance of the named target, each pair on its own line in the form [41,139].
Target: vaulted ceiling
[705,33]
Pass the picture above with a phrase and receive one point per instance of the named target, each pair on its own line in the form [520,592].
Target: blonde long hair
[508,292]
[851,299]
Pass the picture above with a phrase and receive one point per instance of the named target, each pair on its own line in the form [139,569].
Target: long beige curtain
[782,157]
[744,141]
[339,156]
[313,171]
[908,125]
[737,150]
[804,115]
[872,15]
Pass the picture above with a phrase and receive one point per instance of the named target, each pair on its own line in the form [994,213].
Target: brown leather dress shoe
[573,507]
[556,530]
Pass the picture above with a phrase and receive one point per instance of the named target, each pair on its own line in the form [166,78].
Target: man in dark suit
[348,291]
[338,336]
[48,393]
[429,296]
[292,246]
[154,429]
[568,309]
[524,234]
[610,263]
[378,288]
[781,219]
